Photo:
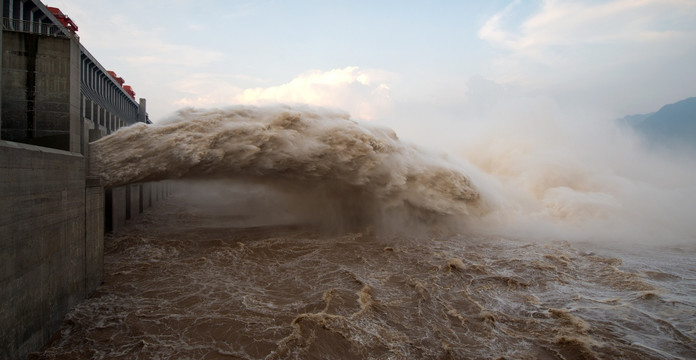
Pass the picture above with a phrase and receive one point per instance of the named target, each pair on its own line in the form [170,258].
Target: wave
[368,169]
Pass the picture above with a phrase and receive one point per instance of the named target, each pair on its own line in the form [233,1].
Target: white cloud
[592,52]
[569,23]
[364,93]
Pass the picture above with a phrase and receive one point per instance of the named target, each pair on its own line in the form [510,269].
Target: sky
[415,66]
[523,95]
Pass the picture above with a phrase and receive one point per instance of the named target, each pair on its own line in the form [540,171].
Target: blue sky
[398,63]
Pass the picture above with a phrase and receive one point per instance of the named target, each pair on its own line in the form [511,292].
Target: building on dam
[55,99]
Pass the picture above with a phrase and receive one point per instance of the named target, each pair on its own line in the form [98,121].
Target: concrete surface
[51,236]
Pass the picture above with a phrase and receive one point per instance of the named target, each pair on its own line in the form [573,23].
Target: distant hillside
[672,124]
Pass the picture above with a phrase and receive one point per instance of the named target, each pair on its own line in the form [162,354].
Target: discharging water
[305,235]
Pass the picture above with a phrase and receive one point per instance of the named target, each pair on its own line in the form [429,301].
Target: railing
[34,27]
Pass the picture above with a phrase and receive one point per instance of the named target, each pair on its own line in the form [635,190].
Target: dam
[301,233]
[56,98]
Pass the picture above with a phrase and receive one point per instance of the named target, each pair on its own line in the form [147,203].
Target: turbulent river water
[306,236]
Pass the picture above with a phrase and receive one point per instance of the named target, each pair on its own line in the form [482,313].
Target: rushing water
[205,277]
[306,235]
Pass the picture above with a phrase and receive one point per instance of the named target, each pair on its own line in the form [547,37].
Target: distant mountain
[673,124]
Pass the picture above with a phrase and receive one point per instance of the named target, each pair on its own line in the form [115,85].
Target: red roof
[64,19]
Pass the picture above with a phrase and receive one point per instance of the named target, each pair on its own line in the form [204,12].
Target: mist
[557,170]
[524,170]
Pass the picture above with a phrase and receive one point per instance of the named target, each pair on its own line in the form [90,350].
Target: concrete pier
[132,201]
[123,203]
[115,208]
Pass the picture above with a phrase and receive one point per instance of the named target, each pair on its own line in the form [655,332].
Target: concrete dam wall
[52,228]
[55,98]
[52,248]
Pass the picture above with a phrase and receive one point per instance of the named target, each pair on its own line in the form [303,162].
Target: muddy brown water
[190,281]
